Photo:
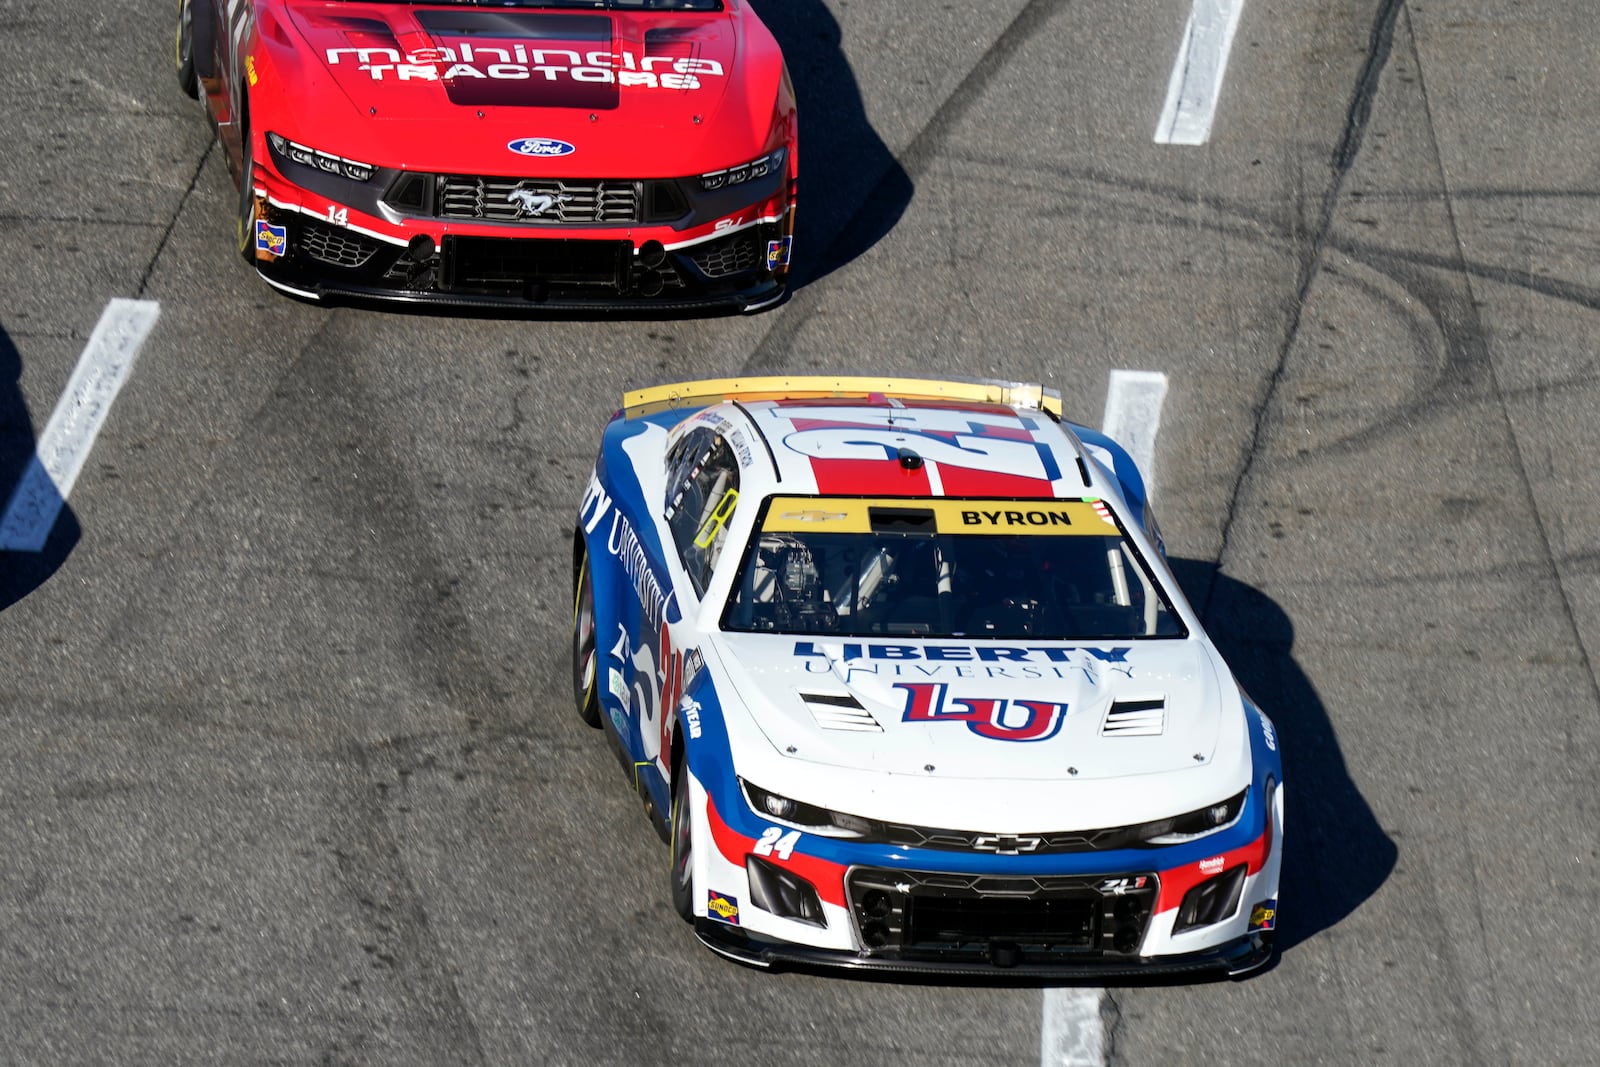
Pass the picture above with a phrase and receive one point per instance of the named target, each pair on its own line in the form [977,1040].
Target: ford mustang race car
[562,153]
[902,676]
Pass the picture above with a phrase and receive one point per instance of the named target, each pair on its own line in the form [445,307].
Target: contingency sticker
[1264,916]
[273,240]
[723,907]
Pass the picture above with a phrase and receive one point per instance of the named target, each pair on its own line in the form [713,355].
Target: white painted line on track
[1196,81]
[1133,415]
[64,445]
[1072,1030]
[1072,1033]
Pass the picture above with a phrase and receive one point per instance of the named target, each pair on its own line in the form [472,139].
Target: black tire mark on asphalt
[397,937]
[1381,42]
[1530,498]
[322,402]
[770,354]
[177,213]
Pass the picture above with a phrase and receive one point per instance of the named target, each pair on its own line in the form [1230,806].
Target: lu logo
[991,717]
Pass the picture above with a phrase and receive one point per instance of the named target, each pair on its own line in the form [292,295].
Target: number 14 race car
[901,674]
[563,153]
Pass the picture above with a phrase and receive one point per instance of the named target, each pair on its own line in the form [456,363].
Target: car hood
[452,87]
[1037,712]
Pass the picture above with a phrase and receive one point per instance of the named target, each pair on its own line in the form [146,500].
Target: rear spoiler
[710,391]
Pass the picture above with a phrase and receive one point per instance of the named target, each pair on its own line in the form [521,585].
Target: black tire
[188,81]
[585,654]
[202,36]
[682,872]
[247,189]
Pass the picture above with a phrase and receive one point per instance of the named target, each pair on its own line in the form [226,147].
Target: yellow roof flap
[710,391]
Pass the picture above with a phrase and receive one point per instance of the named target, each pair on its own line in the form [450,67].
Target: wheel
[199,19]
[188,81]
[247,191]
[585,657]
[682,847]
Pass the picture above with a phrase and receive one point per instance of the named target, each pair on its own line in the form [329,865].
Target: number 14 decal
[774,840]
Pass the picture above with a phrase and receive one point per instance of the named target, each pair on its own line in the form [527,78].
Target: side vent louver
[1135,718]
[840,711]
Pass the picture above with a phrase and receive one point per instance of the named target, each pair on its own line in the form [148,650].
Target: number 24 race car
[522,153]
[901,674]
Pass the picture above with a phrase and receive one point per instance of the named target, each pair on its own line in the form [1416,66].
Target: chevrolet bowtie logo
[1007,844]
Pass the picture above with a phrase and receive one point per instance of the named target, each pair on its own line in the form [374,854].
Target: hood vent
[840,711]
[1135,718]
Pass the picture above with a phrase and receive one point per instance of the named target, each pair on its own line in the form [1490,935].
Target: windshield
[1053,569]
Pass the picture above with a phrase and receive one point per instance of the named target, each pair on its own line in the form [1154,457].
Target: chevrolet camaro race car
[903,678]
[564,153]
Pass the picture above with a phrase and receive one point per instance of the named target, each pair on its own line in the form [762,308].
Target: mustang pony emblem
[533,203]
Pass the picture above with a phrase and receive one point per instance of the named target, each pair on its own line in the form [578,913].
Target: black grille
[730,255]
[1007,920]
[538,200]
[338,247]
[514,265]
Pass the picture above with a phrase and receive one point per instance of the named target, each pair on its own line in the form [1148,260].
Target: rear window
[848,566]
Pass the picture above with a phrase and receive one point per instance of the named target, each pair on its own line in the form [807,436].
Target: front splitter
[1235,958]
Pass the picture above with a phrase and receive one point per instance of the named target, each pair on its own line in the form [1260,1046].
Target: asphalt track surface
[288,772]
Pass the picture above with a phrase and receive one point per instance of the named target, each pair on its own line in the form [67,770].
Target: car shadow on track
[1336,855]
[22,572]
[852,189]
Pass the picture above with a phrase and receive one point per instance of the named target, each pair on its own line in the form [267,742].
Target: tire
[202,36]
[188,81]
[247,191]
[585,654]
[682,871]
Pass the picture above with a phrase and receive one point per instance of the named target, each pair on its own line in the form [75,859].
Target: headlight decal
[326,162]
[736,848]
[759,167]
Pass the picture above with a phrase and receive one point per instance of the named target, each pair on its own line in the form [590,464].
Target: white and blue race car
[901,674]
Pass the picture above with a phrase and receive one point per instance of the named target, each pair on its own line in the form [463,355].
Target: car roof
[887,438]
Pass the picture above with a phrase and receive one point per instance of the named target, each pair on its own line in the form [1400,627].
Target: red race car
[533,153]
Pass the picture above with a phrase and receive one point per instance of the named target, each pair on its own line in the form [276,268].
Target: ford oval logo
[540,146]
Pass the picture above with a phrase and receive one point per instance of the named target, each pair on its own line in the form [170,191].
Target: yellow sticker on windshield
[901,515]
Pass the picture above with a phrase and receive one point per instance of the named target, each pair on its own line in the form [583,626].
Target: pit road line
[1197,75]
[63,448]
[1072,1030]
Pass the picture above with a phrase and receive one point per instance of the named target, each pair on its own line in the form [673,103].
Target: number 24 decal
[774,840]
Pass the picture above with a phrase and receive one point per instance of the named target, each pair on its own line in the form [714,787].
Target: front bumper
[773,898]
[1237,957]
[321,236]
